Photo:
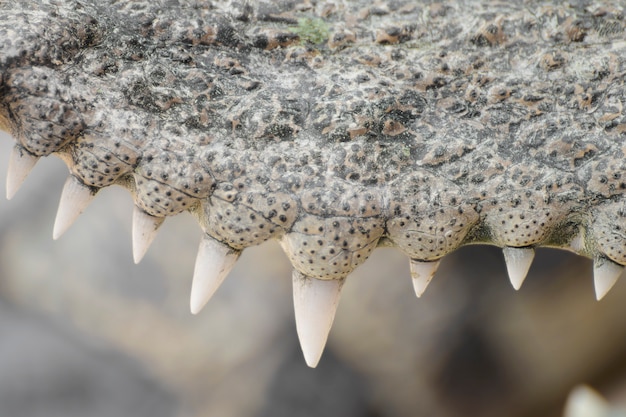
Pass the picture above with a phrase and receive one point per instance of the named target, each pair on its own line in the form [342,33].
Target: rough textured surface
[335,126]
[470,343]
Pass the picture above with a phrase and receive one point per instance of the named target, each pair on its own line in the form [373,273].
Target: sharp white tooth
[21,163]
[145,229]
[315,303]
[577,244]
[75,197]
[605,275]
[213,263]
[518,261]
[585,402]
[422,273]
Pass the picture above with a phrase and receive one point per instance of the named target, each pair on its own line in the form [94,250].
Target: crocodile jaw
[384,134]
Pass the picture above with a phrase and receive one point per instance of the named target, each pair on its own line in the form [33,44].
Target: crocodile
[334,127]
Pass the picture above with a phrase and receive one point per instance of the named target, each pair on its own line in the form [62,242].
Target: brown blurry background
[84,331]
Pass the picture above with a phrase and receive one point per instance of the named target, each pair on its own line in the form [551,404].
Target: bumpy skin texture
[335,126]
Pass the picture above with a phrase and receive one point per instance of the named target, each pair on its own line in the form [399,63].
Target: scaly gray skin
[335,127]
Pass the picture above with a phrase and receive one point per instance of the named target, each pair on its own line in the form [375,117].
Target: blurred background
[84,331]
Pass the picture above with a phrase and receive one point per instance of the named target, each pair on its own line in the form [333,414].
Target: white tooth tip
[145,229]
[577,244]
[315,303]
[213,263]
[605,275]
[422,273]
[518,261]
[75,197]
[20,164]
[585,402]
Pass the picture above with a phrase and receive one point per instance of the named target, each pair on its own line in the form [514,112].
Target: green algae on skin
[311,30]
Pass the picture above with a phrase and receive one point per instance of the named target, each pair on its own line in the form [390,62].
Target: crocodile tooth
[577,244]
[213,263]
[21,163]
[605,275]
[75,197]
[422,273]
[585,402]
[315,303]
[518,261]
[145,228]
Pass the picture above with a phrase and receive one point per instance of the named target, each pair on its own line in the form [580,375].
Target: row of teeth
[315,301]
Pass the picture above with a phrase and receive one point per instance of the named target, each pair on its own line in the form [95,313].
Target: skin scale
[331,127]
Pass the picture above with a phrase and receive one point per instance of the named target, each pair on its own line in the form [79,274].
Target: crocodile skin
[335,127]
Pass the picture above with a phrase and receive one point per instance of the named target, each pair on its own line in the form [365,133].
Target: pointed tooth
[21,163]
[213,263]
[315,303]
[577,244]
[518,261]
[422,272]
[585,402]
[145,229]
[75,197]
[605,275]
